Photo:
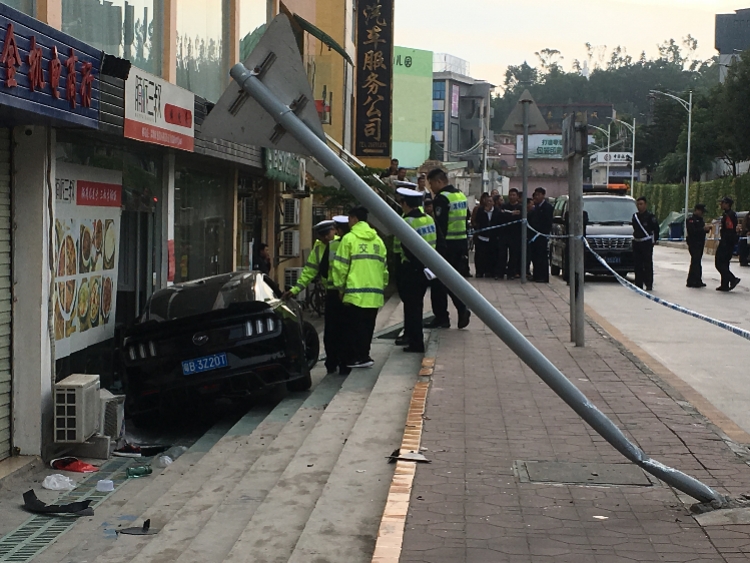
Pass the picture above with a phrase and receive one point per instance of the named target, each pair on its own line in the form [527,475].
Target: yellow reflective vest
[312,268]
[359,267]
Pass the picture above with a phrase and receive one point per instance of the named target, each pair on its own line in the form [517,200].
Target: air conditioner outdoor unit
[112,414]
[290,244]
[291,211]
[291,275]
[76,408]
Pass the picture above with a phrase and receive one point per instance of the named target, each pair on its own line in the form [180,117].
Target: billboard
[374,78]
[543,146]
[412,106]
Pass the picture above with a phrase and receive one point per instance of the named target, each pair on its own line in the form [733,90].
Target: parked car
[608,231]
[229,335]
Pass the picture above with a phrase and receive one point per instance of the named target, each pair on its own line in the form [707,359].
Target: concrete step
[222,507]
[166,494]
[344,524]
[276,524]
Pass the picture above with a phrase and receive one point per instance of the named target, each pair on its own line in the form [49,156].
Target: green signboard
[283,167]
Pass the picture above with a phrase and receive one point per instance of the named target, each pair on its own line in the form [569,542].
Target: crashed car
[228,335]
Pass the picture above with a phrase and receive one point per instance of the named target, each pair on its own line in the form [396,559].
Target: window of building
[127,28]
[438,90]
[438,120]
[25,6]
[252,26]
[200,47]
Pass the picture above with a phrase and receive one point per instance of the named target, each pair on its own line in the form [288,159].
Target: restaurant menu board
[87,238]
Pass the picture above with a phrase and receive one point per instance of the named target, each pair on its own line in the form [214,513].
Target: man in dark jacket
[645,234]
[696,241]
[725,249]
[541,221]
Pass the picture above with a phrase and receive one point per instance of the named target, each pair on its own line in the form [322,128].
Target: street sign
[237,117]
[575,138]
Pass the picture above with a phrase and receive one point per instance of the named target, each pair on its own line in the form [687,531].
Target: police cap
[323,227]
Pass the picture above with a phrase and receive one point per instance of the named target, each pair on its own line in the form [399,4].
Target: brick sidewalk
[486,410]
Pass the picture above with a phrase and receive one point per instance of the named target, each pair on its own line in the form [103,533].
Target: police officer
[725,249]
[360,273]
[450,209]
[541,221]
[414,281]
[696,241]
[645,234]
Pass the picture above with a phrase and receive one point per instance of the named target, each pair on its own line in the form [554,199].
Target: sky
[492,34]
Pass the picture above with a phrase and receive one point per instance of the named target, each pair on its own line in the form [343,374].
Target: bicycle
[315,300]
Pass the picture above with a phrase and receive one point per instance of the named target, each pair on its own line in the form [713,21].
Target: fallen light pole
[289,123]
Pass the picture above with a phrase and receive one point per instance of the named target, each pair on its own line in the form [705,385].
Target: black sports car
[228,335]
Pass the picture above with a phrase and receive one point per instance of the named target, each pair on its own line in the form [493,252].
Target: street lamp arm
[687,106]
[628,125]
[599,129]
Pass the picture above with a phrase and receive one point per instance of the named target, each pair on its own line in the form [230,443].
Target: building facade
[732,36]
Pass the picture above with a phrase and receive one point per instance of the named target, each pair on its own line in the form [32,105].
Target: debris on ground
[144,530]
[58,482]
[72,464]
[743,501]
[78,508]
[135,450]
[407,456]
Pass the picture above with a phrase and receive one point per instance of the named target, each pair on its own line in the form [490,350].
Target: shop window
[203,224]
[128,28]
[200,47]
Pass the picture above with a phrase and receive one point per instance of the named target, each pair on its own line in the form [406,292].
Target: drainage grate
[559,472]
[33,536]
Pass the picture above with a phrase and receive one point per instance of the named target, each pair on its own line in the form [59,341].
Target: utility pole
[575,148]
[485,147]
[525,101]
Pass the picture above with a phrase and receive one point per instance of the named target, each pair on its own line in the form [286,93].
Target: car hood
[597,230]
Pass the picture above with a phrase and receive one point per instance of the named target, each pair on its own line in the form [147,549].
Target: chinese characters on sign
[15,66]
[374,77]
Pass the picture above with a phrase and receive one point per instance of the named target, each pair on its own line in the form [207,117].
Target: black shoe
[745,265]
[330,371]
[542,281]
[463,318]
[722,288]
[401,341]
[345,371]
[649,288]
[438,324]
[366,363]
[702,285]
[733,283]
[414,349]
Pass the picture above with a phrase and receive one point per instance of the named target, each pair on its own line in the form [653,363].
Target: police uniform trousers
[695,274]
[414,288]
[723,258]
[333,329]
[643,263]
[540,258]
[357,330]
[454,254]
[513,241]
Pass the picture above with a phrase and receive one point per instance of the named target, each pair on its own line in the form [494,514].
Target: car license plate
[206,363]
[612,259]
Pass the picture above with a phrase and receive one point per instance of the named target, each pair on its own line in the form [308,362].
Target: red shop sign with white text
[98,194]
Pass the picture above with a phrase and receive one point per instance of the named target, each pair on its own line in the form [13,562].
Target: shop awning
[323,37]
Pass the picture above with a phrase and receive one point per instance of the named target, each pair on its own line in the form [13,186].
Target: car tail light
[259,326]
[131,353]
[142,351]
[249,328]
[271,324]
[152,348]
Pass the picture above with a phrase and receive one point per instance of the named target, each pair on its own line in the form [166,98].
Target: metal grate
[606,243]
[38,532]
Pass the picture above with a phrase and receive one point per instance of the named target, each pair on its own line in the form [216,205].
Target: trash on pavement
[138,471]
[72,464]
[105,485]
[143,450]
[408,456]
[144,530]
[175,451]
[33,504]
[58,482]
[163,461]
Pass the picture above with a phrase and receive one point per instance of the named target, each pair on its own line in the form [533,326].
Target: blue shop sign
[46,72]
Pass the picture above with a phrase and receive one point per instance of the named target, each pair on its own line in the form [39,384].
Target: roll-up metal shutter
[5,294]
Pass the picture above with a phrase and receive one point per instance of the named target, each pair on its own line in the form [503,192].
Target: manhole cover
[581,473]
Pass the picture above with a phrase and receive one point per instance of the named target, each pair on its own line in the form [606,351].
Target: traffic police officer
[645,234]
[360,273]
[414,281]
[450,208]
[696,241]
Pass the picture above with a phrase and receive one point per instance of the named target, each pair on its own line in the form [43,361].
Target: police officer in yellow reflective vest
[414,281]
[360,273]
[319,266]
[450,208]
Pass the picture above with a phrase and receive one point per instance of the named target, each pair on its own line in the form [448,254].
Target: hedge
[665,198]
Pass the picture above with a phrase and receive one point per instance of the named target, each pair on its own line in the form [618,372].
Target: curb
[393,522]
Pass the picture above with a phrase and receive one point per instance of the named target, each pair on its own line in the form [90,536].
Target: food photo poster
[87,242]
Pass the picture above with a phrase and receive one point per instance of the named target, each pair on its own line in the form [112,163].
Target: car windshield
[199,297]
[609,210]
